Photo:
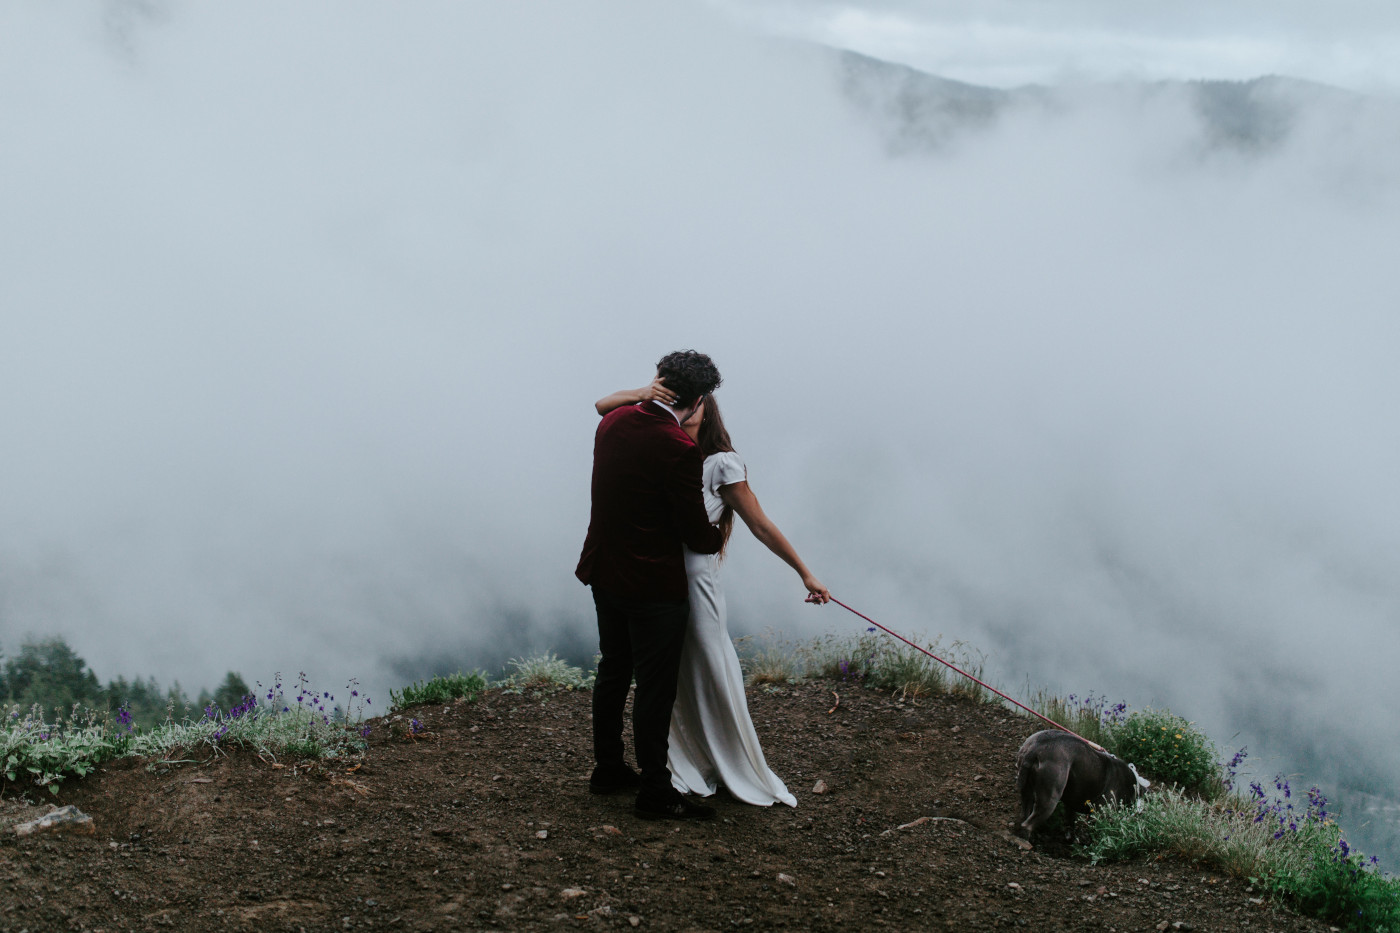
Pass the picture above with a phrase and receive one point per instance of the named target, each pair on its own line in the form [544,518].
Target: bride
[712,739]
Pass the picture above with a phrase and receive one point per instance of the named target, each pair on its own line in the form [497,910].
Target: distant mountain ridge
[919,111]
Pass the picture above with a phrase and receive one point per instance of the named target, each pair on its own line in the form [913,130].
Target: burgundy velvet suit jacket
[646,504]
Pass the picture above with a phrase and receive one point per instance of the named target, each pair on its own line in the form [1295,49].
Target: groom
[646,504]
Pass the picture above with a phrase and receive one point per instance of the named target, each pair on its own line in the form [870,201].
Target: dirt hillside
[484,822]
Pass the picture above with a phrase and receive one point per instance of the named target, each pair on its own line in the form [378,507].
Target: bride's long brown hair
[713,438]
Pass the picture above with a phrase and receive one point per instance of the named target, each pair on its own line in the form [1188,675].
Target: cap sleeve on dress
[729,468]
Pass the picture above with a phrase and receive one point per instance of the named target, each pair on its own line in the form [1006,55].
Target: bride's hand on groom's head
[658,392]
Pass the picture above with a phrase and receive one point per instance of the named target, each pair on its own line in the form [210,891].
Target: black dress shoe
[613,780]
[673,806]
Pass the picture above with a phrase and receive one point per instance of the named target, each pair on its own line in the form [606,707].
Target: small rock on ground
[65,819]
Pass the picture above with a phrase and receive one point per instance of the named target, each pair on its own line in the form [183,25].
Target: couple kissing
[667,483]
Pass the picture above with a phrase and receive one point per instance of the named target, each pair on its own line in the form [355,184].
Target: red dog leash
[813,598]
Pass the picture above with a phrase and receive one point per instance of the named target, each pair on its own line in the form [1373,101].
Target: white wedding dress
[712,737]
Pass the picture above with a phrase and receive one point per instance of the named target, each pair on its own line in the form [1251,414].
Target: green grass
[1090,716]
[298,733]
[1298,856]
[546,671]
[441,689]
[35,752]
[867,660]
[767,661]
[1172,822]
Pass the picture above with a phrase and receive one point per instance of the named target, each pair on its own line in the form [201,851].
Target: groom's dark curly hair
[689,374]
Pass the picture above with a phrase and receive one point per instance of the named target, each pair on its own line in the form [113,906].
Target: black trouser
[641,637]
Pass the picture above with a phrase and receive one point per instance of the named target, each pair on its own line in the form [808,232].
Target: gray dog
[1053,766]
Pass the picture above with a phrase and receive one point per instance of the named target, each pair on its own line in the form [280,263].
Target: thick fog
[304,309]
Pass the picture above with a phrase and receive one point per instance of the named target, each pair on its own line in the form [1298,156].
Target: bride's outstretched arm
[657,390]
[740,497]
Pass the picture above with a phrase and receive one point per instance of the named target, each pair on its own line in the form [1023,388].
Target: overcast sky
[1003,43]
[303,309]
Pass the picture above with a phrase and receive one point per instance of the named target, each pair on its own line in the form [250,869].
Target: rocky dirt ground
[484,822]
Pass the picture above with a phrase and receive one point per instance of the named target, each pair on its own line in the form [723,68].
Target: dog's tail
[1042,782]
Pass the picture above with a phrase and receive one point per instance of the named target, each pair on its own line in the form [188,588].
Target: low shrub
[1167,748]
